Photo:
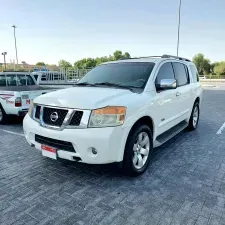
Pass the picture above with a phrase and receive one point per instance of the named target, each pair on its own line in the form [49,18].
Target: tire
[136,161]
[3,116]
[194,119]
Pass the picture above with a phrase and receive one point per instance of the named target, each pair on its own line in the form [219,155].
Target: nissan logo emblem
[54,116]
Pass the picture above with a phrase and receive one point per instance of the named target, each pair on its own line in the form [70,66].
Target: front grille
[77,116]
[54,117]
[60,145]
[37,112]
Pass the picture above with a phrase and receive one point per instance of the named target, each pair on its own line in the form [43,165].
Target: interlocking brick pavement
[185,183]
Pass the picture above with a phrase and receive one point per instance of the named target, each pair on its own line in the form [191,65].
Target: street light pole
[14,28]
[4,54]
[178,31]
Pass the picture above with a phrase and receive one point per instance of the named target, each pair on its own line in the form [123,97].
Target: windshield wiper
[116,85]
[85,84]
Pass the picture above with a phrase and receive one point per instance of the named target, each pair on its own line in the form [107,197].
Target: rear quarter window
[194,73]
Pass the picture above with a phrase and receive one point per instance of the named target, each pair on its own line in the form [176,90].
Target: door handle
[178,94]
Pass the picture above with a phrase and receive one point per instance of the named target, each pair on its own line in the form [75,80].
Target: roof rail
[13,71]
[142,57]
[163,56]
[175,57]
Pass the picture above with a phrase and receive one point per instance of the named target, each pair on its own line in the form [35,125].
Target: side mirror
[166,84]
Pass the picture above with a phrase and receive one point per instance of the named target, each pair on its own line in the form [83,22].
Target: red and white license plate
[48,152]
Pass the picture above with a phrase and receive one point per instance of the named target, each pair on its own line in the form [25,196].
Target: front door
[166,101]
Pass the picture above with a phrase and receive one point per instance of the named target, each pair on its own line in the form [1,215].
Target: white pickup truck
[17,91]
[118,112]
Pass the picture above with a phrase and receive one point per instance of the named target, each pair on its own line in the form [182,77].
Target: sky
[50,30]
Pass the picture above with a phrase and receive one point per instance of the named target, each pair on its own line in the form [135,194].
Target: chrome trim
[33,114]
[41,116]
[83,122]
[85,118]
[68,118]
[168,84]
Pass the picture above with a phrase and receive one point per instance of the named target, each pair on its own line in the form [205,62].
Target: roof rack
[175,57]
[163,56]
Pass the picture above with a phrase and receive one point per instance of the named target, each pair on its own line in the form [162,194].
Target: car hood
[86,97]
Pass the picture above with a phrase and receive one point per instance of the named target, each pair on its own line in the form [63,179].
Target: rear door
[184,92]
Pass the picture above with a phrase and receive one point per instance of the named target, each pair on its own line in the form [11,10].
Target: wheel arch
[146,120]
[197,100]
[143,120]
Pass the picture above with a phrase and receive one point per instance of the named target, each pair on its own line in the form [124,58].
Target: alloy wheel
[141,150]
[195,116]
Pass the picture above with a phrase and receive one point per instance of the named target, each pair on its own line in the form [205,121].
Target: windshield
[127,74]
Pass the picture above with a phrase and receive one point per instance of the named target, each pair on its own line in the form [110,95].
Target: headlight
[107,117]
[30,111]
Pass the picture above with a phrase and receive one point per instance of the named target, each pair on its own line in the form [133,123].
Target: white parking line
[221,129]
[11,132]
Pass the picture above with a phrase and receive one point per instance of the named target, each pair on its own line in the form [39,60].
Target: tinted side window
[165,72]
[180,73]
[21,80]
[2,80]
[11,80]
[195,74]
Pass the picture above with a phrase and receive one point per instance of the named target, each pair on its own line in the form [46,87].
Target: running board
[162,138]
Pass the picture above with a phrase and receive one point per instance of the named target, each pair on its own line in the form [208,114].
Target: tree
[100,60]
[117,55]
[219,68]
[126,55]
[80,63]
[213,65]
[40,64]
[64,64]
[202,64]
[92,62]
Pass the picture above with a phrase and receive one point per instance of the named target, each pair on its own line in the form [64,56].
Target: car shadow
[180,141]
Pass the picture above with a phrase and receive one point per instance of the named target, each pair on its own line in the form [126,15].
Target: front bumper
[109,142]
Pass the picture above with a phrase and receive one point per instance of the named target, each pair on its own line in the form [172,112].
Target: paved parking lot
[185,183]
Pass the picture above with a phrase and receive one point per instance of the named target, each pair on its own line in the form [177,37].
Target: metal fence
[50,74]
[60,76]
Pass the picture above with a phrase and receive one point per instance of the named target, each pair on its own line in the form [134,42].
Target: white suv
[118,112]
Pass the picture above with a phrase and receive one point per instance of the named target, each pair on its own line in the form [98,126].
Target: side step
[162,138]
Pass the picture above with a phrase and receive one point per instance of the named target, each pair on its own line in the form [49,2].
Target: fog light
[94,151]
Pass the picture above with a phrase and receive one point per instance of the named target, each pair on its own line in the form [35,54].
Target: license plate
[25,96]
[48,152]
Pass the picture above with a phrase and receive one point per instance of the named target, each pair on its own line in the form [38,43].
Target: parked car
[118,112]
[17,91]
